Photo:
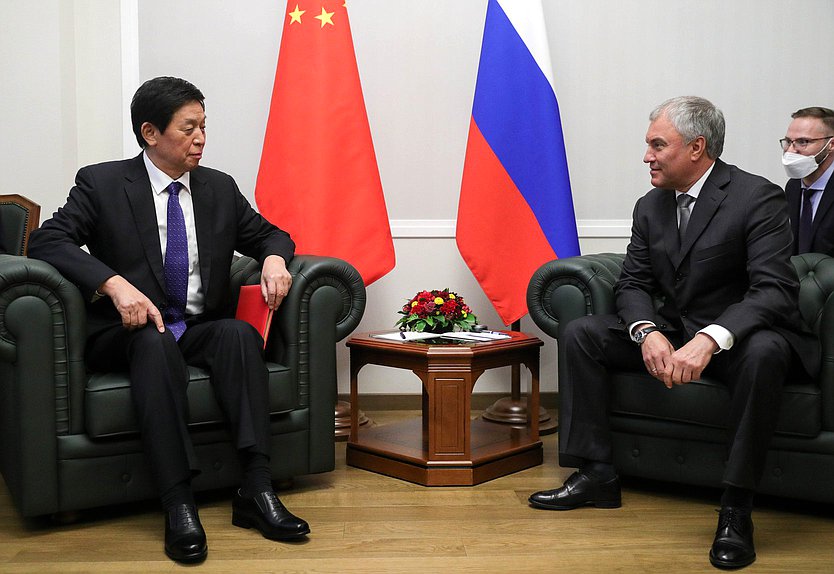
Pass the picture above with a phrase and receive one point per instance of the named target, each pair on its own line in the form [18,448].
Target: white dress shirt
[159,182]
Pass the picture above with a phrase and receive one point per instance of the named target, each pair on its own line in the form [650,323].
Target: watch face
[641,335]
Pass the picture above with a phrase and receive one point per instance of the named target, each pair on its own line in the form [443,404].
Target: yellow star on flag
[325,17]
[296,15]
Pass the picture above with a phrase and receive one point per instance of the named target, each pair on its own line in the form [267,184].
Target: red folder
[252,308]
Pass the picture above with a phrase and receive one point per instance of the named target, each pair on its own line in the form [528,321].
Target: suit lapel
[793,191]
[202,197]
[826,201]
[140,196]
[711,196]
[669,212]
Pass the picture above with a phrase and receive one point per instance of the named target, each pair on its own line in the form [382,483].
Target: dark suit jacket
[111,211]
[733,268]
[823,228]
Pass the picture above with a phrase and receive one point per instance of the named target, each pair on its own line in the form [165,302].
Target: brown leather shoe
[733,544]
[580,489]
[266,513]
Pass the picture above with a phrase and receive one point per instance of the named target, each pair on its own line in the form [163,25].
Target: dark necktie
[806,221]
[176,264]
[684,201]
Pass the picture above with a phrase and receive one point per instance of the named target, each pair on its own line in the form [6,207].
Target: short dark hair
[157,100]
[824,114]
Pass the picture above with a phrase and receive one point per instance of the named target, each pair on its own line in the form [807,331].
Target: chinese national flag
[318,178]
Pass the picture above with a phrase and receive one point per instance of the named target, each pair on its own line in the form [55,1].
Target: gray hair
[691,117]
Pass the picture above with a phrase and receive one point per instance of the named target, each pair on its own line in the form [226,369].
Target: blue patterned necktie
[176,264]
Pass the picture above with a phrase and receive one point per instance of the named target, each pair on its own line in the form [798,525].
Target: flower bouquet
[436,311]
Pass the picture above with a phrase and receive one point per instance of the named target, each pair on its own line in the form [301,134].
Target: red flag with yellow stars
[318,178]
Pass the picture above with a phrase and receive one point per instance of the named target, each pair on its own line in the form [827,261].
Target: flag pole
[512,410]
[342,417]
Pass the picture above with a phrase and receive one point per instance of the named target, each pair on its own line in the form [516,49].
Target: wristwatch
[641,335]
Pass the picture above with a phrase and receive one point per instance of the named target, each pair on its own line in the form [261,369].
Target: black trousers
[232,352]
[754,370]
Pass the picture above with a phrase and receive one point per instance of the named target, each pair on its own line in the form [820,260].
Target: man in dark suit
[161,233]
[713,244]
[808,160]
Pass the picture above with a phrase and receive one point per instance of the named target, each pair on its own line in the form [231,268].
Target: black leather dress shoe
[266,513]
[580,489]
[185,539]
[733,545]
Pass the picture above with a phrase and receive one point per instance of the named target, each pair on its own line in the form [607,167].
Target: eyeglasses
[799,143]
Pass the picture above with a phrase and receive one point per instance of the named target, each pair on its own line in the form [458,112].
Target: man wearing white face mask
[808,160]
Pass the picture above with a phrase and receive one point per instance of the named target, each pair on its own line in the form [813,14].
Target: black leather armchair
[679,435]
[68,440]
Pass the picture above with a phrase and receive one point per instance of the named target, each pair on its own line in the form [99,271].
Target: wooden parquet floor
[365,523]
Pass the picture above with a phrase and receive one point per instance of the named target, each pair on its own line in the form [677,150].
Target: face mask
[798,166]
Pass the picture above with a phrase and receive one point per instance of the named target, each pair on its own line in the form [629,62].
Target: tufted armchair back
[19,217]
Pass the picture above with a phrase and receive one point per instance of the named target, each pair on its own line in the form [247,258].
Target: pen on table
[402,334]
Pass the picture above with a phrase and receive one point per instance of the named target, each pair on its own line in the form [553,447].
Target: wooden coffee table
[446,447]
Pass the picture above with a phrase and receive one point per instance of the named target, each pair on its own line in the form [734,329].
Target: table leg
[447,416]
[533,397]
[355,366]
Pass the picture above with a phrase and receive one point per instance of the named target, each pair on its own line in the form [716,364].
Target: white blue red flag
[515,211]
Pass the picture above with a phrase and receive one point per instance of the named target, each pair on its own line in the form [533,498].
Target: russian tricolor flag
[515,211]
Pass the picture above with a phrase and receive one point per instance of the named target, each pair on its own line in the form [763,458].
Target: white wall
[37,127]
[66,79]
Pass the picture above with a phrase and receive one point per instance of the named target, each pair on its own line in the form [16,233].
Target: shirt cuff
[635,324]
[722,337]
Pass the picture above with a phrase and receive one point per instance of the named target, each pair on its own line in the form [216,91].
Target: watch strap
[641,335]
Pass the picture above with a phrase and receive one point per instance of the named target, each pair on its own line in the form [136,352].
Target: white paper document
[406,336]
[472,336]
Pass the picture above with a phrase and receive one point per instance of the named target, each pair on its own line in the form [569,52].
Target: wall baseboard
[411,402]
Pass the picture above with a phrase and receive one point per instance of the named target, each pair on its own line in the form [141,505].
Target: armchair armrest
[313,277]
[565,289]
[310,273]
[42,334]
[324,305]
[816,285]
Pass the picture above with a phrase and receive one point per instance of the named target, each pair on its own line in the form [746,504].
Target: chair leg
[66,517]
[282,484]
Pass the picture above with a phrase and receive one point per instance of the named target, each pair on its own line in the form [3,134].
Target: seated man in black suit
[712,243]
[808,160]
[161,233]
